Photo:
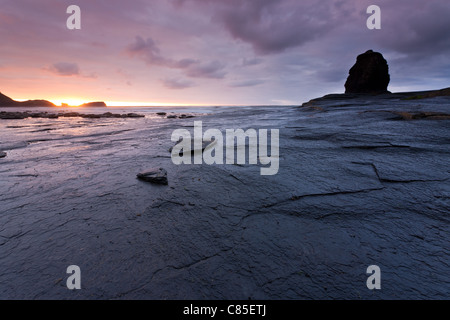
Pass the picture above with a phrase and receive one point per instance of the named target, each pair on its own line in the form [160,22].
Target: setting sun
[75,102]
[72,102]
[149,104]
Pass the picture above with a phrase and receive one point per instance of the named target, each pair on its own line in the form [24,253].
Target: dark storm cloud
[422,31]
[414,27]
[272,26]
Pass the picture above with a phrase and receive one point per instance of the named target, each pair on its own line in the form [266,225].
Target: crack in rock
[295,198]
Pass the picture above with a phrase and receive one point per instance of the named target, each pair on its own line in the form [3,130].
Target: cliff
[6,101]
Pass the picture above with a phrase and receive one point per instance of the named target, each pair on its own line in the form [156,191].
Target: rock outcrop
[24,115]
[94,104]
[369,75]
[154,175]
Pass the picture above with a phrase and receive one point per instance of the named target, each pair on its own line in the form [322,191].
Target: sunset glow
[70,101]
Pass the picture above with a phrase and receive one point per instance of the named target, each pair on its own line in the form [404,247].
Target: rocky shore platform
[359,184]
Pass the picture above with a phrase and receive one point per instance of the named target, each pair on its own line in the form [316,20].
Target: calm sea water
[142,110]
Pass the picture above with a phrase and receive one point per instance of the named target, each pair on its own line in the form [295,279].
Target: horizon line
[58,103]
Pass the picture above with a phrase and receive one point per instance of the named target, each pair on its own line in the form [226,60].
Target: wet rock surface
[355,188]
[181,116]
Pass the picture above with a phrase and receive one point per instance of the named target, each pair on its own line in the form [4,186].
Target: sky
[214,52]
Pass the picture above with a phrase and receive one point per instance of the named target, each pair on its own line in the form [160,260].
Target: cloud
[65,69]
[213,70]
[91,75]
[251,62]
[68,69]
[273,26]
[148,51]
[246,83]
[172,83]
[184,63]
[418,33]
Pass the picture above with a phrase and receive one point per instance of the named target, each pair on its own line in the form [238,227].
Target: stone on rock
[135,115]
[161,113]
[91,116]
[186,116]
[13,115]
[369,75]
[154,175]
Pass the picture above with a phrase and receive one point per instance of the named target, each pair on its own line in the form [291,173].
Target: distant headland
[6,101]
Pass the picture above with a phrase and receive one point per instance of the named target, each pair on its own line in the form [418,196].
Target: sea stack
[369,75]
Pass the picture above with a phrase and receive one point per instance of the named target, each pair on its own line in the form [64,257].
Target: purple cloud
[172,83]
[151,54]
[65,69]
[212,70]
[420,33]
[148,51]
[246,83]
[272,26]
[251,62]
